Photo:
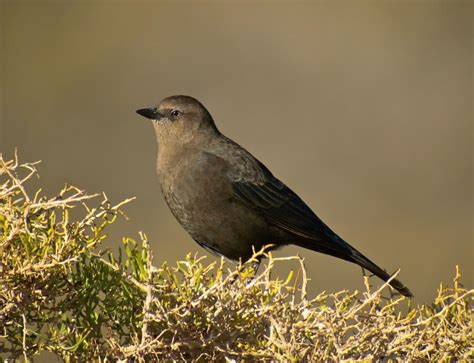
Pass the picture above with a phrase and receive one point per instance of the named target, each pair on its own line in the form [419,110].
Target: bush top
[61,291]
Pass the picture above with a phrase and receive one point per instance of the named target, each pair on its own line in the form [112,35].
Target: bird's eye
[175,113]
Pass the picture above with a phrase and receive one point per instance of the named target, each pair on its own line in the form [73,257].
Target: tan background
[363,108]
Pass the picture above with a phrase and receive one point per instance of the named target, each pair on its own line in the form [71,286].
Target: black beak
[151,113]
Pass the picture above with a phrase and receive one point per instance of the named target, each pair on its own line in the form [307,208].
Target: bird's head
[179,119]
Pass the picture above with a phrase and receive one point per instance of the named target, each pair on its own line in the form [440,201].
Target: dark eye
[175,113]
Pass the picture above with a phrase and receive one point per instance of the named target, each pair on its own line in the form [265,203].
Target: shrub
[61,291]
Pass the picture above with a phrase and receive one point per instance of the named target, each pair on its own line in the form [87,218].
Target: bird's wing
[280,206]
[256,187]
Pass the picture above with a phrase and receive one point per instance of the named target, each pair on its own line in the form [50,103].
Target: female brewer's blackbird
[226,199]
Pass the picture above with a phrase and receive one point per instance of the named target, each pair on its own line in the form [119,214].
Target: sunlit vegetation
[61,291]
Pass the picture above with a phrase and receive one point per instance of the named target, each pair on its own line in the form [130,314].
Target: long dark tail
[343,250]
[364,262]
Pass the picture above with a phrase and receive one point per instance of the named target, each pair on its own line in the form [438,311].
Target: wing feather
[282,207]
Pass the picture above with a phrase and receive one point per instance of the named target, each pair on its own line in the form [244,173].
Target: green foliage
[60,291]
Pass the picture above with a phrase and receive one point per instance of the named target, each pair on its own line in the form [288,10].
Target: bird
[228,201]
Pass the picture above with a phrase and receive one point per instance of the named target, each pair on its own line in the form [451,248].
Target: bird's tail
[364,262]
[343,250]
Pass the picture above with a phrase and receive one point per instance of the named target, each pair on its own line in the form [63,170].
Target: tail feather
[343,250]
[364,262]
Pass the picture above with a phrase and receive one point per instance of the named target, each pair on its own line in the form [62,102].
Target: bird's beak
[151,113]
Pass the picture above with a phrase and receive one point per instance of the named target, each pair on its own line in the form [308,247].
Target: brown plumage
[226,199]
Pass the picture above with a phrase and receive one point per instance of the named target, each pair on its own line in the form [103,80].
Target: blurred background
[363,108]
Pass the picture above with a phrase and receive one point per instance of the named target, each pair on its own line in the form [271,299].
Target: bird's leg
[242,266]
[254,265]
